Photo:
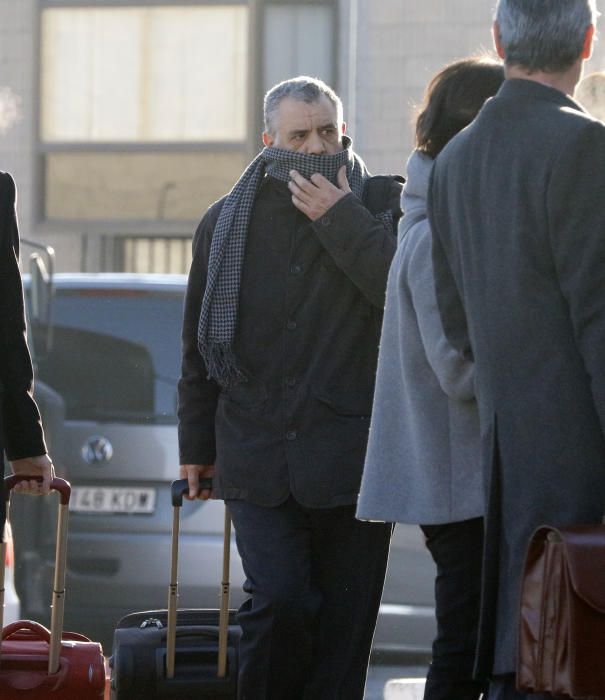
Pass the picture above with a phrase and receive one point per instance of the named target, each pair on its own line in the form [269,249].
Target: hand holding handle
[181,487]
[57,484]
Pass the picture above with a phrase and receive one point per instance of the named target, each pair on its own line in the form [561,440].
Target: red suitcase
[36,662]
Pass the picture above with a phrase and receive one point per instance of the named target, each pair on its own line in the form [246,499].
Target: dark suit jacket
[21,433]
[309,317]
[516,209]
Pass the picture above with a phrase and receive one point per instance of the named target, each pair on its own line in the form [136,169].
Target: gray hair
[544,35]
[302,88]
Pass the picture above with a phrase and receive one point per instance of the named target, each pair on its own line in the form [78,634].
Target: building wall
[401,44]
[18,154]
[387,51]
[17,49]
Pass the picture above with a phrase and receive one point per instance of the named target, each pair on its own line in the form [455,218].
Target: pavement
[401,681]
[404,689]
[381,684]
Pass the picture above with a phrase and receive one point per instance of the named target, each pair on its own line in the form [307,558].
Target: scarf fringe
[222,365]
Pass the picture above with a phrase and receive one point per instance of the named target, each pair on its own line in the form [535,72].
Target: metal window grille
[145,254]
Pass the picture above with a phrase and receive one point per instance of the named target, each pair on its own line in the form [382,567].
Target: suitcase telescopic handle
[178,489]
[58,594]
[181,486]
[57,484]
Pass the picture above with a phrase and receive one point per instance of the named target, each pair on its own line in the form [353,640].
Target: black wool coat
[309,317]
[516,210]
[20,428]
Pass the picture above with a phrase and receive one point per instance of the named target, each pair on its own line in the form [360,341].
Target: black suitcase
[178,654]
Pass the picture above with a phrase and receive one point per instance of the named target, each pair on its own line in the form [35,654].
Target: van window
[115,354]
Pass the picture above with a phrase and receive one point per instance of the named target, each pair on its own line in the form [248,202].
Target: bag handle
[39,630]
[58,595]
[178,489]
[63,487]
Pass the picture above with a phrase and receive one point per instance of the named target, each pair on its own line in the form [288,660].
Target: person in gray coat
[516,211]
[422,464]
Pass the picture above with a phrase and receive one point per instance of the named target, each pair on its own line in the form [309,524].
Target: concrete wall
[396,45]
[19,71]
[17,61]
[401,44]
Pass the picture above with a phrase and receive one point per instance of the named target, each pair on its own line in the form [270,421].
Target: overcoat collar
[515,88]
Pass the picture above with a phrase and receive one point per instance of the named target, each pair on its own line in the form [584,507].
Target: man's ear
[343,128]
[588,40]
[498,41]
[267,139]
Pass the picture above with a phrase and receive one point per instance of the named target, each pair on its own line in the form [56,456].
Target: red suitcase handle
[58,596]
[42,633]
[39,630]
[60,485]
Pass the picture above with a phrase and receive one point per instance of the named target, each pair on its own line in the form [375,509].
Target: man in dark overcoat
[280,343]
[21,435]
[516,210]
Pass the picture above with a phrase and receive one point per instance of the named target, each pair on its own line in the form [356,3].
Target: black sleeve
[197,395]
[22,429]
[359,243]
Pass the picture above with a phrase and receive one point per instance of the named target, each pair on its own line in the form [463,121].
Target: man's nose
[315,145]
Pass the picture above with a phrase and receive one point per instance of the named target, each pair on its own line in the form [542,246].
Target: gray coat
[422,464]
[517,215]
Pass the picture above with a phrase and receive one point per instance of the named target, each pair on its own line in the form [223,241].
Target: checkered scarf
[218,315]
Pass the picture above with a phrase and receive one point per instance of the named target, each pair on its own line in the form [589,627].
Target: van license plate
[105,499]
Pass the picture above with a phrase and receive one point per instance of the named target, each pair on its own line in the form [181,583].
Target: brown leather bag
[562,621]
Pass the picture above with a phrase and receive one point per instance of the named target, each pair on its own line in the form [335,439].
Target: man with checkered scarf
[280,340]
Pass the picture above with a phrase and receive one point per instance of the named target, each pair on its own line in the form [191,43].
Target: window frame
[249,147]
[259,38]
[42,149]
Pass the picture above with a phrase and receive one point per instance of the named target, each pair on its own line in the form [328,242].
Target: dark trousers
[315,579]
[503,688]
[456,549]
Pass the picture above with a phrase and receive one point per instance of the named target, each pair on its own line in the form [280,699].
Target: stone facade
[401,44]
[18,73]
[397,46]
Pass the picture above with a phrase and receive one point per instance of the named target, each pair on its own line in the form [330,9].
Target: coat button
[295,269]
[290,381]
[326,220]
[291,435]
[291,325]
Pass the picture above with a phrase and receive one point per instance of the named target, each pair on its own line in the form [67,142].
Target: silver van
[113,364]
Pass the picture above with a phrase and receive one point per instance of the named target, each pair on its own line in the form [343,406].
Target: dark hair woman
[422,464]
[452,100]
